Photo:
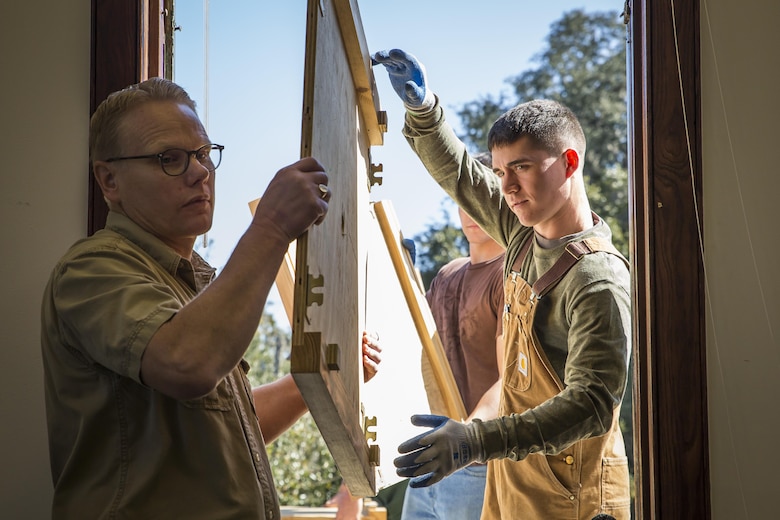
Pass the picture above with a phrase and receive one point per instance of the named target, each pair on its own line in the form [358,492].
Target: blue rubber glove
[407,76]
[433,455]
[408,244]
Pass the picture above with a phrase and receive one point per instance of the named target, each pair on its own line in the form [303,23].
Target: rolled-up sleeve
[110,303]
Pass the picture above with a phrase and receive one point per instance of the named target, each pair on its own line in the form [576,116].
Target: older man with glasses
[150,413]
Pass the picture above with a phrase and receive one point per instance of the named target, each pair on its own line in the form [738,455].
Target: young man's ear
[572,161]
[106,179]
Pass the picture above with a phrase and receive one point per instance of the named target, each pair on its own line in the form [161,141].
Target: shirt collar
[198,273]
[599,228]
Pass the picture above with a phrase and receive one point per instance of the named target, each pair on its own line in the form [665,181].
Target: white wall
[741,182]
[44,114]
[44,110]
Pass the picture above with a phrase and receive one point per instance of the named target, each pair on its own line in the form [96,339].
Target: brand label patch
[522,364]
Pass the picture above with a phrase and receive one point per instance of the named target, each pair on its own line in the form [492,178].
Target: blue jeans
[456,497]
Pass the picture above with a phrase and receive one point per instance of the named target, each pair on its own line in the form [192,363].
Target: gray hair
[105,122]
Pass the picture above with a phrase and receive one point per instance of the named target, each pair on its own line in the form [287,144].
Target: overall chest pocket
[517,323]
[517,361]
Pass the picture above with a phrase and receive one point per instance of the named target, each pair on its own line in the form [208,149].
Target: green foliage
[584,67]
[303,469]
[441,242]
[268,353]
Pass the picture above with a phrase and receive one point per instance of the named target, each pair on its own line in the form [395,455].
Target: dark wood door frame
[127,40]
[671,455]
[670,406]
[116,63]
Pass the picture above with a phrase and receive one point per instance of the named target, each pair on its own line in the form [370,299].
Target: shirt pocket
[219,399]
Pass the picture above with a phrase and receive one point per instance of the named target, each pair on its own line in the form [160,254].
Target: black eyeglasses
[175,161]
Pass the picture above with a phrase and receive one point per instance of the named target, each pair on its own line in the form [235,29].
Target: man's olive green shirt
[118,448]
[583,324]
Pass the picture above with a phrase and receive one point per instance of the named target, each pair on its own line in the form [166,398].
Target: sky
[242,62]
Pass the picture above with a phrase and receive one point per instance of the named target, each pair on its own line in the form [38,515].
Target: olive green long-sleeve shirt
[583,324]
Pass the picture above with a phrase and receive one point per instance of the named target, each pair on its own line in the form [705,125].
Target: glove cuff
[427,105]
[476,429]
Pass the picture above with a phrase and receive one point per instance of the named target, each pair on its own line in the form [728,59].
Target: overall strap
[523,251]
[572,254]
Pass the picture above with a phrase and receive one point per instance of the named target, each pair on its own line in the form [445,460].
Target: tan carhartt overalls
[589,477]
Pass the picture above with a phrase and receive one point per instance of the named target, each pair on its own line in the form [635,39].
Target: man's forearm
[487,406]
[190,354]
[278,406]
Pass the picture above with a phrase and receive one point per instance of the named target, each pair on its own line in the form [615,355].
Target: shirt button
[568,460]
[257,457]
[571,497]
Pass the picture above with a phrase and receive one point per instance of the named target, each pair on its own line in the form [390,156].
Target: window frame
[130,43]
[670,387]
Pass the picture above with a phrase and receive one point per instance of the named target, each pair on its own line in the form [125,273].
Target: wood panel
[328,310]
[397,311]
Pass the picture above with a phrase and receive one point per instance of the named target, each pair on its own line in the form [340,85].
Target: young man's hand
[433,455]
[407,76]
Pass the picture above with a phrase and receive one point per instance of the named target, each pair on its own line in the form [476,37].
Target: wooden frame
[671,420]
[397,310]
[443,395]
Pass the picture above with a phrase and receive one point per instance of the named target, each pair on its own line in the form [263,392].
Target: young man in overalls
[556,450]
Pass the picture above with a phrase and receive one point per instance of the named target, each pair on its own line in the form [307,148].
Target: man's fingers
[412,444]
[431,421]
[411,466]
[424,480]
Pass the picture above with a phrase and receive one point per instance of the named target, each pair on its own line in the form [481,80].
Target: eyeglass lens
[176,161]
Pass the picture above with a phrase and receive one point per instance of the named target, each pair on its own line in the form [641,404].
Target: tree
[582,66]
[304,470]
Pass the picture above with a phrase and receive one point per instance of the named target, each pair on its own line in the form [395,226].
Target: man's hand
[371,355]
[433,455]
[296,198]
[407,75]
[349,507]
